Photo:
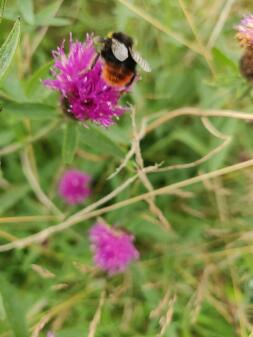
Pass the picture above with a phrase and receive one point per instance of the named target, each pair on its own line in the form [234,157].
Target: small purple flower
[245,31]
[50,334]
[113,249]
[74,186]
[85,95]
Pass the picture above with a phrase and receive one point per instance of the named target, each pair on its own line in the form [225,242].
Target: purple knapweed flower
[85,95]
[245,31]
[50,334]
[113,248]
[74,186]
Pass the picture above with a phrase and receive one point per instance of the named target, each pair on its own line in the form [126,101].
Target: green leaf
[59,22]
[12,87]
[34,88]
[12,196]
[2,310]
[30,110]
[26,8]
[44,17]
[13,308]
[7,136]
[230,128]
[189,139]
[2,6]
[8,49]
[73,332]
[70,141]
[99,141]
[223,60]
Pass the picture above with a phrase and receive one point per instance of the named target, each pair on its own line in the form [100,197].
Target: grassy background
[193,280]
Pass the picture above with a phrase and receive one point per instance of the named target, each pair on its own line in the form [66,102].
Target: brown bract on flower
[245,38]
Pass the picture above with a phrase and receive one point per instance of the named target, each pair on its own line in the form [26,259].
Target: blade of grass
[14,309]
[160,26]
[8,49]
[2,6]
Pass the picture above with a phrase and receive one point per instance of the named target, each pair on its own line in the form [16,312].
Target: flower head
[113,249]
[77,76]
[74,186]
[245,31]
[50,334]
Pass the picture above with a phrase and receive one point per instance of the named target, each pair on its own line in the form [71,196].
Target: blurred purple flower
[245,31]
[85,95]
[74,186]
[113,249]
[50,334]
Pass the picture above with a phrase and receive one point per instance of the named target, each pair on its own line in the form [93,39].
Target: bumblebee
[120,60]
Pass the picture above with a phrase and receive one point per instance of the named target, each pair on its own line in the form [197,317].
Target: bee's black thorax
[108,56]
[123,38]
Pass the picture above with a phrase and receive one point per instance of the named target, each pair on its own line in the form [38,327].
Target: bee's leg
[93,63]
[130,82]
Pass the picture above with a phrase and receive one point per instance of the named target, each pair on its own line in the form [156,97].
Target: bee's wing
[139,60]
[119,50]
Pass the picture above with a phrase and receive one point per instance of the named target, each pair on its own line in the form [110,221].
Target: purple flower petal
[87,95]
[245,31]
[113,249]
[74,186]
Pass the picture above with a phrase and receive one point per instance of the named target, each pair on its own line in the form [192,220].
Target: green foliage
[8,49]
[70,142]
[2,6]
[12,197]
[200,272]
[94,135]
[26,9]
[13,308]
[29,110]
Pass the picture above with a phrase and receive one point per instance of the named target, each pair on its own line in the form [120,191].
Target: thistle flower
[113,249]
[50,334]
[85,94]
[74,186]
[245,31]
[245,37]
